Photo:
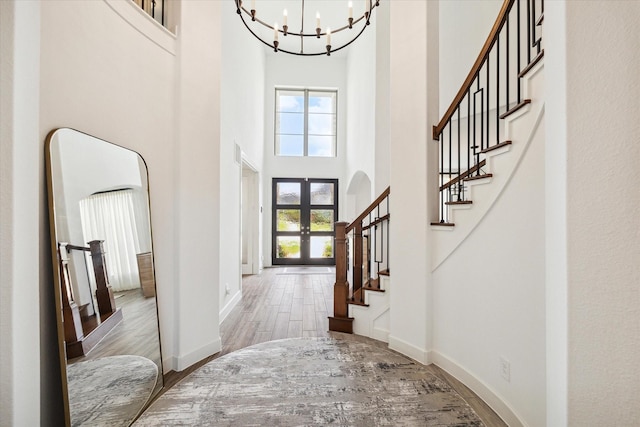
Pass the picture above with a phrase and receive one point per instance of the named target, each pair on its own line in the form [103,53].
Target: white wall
[89,54]
[489,295]
[198,184]
[25,362]
[382,173]
[601,208]
[412,106]
[304,72]
[242,123]
[104,68]
[464,27]
[557,358]
[360,140]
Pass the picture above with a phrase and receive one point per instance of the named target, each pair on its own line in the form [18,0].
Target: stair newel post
[104,293]
[70,313]
[340,321]
[357,262]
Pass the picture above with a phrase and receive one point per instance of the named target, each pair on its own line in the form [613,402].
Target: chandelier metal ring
[318,33]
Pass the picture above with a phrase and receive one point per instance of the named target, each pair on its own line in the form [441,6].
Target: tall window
[305,122]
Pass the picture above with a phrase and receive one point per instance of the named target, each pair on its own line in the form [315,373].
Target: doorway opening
[304,211]
[249,220]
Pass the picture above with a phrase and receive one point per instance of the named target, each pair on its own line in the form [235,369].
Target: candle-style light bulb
[253,4]
[284,17]
[275,31]
[328,36]
[350,9]
[317,19]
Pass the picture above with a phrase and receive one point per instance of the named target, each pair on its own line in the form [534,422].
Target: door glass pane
[321,193]
[288,220]
[288,247]
[321,247]
[321,219]
[288,193]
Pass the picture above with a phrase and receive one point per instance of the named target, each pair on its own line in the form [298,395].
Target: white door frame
[249,218]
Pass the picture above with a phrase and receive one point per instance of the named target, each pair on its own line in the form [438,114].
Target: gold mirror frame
[85,331]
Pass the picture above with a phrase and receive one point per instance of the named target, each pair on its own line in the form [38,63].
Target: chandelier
[274,30]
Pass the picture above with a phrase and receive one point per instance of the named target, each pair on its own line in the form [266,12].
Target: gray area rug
[309,382]
[110,391]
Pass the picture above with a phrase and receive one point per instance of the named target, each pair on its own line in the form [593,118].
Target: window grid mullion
[306,119]
[306,122]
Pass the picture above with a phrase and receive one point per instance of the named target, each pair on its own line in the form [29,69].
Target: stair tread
[370,288]
[473,178]
[384,272]
[461,202]
[533,62]
[515,108]
[358,303]
[443,224]
[495,147]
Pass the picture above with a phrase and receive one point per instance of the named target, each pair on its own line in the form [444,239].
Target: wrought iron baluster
[519,44]
[498,89]
[459,153]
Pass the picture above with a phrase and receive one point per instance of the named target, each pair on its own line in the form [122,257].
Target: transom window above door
[306,122]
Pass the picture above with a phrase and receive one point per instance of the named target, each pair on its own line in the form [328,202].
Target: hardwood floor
[277,306]
[273,306]
[136,334]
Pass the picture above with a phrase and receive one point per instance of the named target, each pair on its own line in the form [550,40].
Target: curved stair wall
[501,164]
[488,297]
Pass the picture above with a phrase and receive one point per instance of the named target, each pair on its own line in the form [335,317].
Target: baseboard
[485,392]
[183,362]
[418,354]
[380,335]
[230,306]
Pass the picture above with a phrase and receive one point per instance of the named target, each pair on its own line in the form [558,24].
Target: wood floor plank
[285,304]
[308,295]
[309,318]
[296,309]
[281,327]
[295,329]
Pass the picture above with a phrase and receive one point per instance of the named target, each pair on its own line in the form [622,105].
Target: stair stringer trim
[373,321]
[485,193]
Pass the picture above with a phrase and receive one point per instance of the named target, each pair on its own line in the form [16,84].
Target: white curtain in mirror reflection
[111,216]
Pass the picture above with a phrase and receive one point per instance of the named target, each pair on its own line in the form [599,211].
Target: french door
[304,211]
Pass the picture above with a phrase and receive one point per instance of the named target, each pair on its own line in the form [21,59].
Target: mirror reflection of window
[111,216]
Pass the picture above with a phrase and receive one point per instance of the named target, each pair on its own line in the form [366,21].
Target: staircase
[361,304]
[483,137]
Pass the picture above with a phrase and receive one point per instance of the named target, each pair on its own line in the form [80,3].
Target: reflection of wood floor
[135,335]
[276,306]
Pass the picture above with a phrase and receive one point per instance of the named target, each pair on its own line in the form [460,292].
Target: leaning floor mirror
[102,251]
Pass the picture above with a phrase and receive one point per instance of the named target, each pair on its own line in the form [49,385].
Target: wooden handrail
[367,211]
[71,247]
[463,175]
[484,54]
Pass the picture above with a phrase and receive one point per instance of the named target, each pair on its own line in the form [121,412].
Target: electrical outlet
[505,369]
